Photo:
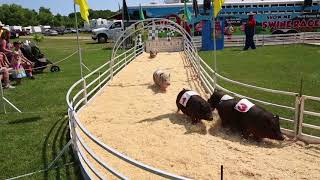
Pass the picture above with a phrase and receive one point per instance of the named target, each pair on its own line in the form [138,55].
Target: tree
[45,16]
[12,14]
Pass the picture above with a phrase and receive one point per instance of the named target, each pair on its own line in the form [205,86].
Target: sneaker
[9,86]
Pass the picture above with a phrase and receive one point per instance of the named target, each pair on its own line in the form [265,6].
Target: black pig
[193,105]
[257,121]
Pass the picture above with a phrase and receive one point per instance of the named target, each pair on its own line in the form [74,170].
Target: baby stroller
[33,53]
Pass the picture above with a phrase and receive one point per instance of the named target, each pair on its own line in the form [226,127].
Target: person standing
[5,45]
[249,32]
[1,28]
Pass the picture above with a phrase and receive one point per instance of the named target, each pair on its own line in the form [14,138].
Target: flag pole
[80,54]
[214,52]
[214,47]
[78,42]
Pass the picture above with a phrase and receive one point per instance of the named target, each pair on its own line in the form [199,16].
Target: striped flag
[141,13]
[125,12]
[187,13]
[217,6]
[84,9]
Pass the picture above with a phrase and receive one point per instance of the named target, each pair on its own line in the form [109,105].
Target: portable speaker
[307,2]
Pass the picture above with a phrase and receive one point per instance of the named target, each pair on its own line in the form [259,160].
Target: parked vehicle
[50,32]
[112,31]
[14,34]
[60,30]
[70,30]
[36,29]
[23,32]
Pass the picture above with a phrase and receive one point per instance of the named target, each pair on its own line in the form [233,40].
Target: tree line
[13,14]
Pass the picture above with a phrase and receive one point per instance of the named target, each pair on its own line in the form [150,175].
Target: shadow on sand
[180,119]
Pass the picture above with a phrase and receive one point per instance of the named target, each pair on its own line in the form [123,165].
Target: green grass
[275,67]
[31,140]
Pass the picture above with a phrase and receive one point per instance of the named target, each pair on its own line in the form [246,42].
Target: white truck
[112,31]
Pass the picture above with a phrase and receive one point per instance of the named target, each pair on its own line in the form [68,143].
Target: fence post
[256,40]
[99,79]
[262,39]
[2,100]
[297,115]
[85,91]
[111,67]
[301,114]
[243,41]
[73,131]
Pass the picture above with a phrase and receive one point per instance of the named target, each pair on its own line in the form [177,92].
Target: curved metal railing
[85,89]
[208,76]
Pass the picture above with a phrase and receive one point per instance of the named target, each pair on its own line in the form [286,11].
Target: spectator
[5,45]
[18,68]
[3,60]
[4,71]
[25,62]
[250,31]
[1,29]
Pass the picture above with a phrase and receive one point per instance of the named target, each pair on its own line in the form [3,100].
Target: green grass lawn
[31,140]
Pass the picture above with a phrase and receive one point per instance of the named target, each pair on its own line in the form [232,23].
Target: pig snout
[208,117]
[279,137]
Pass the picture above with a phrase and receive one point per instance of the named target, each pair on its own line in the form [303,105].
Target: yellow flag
[217,7]
[84,9]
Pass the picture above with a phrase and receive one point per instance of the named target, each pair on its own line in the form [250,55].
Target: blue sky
[66,6]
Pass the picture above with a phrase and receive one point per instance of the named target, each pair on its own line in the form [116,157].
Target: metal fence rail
[208,76]
[302,125]
[85,89]
[264,39]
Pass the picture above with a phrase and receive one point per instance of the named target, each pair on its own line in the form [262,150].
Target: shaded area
[180,119]
[25,120]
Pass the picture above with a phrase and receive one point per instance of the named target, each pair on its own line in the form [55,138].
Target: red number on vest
[242,107]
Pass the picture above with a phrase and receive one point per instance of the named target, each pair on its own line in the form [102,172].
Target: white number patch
[244,105]
[226,98]
[186,96]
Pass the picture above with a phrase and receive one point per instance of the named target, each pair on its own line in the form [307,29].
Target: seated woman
[26,63]
[4,71]
[4,60]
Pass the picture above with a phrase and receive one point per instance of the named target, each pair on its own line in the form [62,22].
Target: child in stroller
[33,53]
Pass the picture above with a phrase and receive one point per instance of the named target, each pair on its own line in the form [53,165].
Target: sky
[65,7]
